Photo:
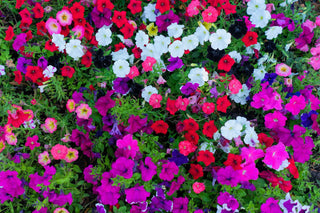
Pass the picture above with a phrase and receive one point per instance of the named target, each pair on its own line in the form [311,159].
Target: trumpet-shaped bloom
[83,111]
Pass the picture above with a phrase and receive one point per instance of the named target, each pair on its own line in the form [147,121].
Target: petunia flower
[275,156]
[168,171]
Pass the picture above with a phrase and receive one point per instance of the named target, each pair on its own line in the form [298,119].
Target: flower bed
[159,106]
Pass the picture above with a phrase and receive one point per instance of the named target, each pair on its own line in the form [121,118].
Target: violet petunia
[136,123]
[101,18]
[227,176]
[123,167]
[105,103]
[148,169]
[23,63]
[168,171]
[136,194]
[271,205]
[175,63]
[302,151]
[120,85]
[180,205]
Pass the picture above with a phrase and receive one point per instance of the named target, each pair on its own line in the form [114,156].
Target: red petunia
[163,5]
[119,46]
[25,16]
[67,71]
[250,38]
[79,21]
[127,30]
[186,147]
[196,171]
[29,35]
[206,157]
[41,28]
[292,168]
[190,125]
[225,63]
[229,8]
[223,103]
[77,10]
[209,128]
[135,6]
[65,30]
[18,77]
[38,10]
[119,18]
[160,127]
[192,136]
[101,4]
[9,34]
[208,108]
[86,59]
[264,139]
[50,46]
[34,73]
[171,107]
[136,52]
[19,3]
[88,31]
[234,161]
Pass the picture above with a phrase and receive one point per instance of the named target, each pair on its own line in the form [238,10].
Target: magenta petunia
[136,123]
[148,169]
[123,167]
[248,172]
[296,104]
[271,206]
[105,103]
[275,155]
[136,194]
[175,185]
[275,120]
[227,176]
[302,151]
[129,145]
[32,142]
[251,154]
[180,205]
[168,171]
[288,137]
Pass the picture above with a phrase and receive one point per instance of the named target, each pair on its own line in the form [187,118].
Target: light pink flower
[83,111]
[148,64]
[283,70]
[50,125]
[53,26]
[44,158]
[64,17]
[72,155]
[59,151]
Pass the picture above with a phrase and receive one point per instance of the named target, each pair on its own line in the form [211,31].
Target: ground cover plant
[159,106]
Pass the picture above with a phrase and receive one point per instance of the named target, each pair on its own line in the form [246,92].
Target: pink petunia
[129,145]
[32,142]
[59,151]
[275,120]
[275,155]
[148,63]
[296,104]
[155,100]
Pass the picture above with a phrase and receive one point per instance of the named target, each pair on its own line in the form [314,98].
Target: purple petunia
[20,40]
[178,158]
[22,64]
[123,167]
[148,169]
[77,97]
[180,205]
[227,176]
[120,85]
[168,171]
[136,194]
[189,88]
[164,21]
[175,63]
[101,18]
[271,205]
[136,123]
[105,103]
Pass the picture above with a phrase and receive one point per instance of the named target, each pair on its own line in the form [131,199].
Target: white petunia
[103,36]
[148,50]
[59,41]
[121,54]
[190,42]
[161,44]
[42,88]
[176,49]
[175,30]
[202,34]
[2,70]
[74,49]
[231,129]
[255,5]
[260,18]
[241,96]
[141,39]
[283,4]
[273,32]
[198,75]
[147,92]
[235,55]
[49,71]
[149,13]
[258,74]
[250,50]
[251,137]
[207,146]
[121,68]
[220,40]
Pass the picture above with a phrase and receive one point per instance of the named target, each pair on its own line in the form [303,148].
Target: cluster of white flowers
[199,76]
[103,36]
[147,92]
[259,15]
[220,39]
[74,49]
[241,96]
[240,127]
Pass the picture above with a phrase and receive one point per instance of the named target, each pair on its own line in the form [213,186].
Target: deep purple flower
[77,97]
[108,119]
[148,169]
[176,63]
[282,21]
[11,185]
[136,123]
[86,123]
[269,77]
[120,85]
[159,202]
[86,148]
[99,19]
[226,198]
[175,185]
[23,63]
[189,88]
[79,137]
[100,208]
[164,21]
[88,176]
[105,103]
[42,62]
[20,40]
[58,199]
[136,194]
[306,118]
[180,205]
[123,167]
[178,158]
[248,185]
